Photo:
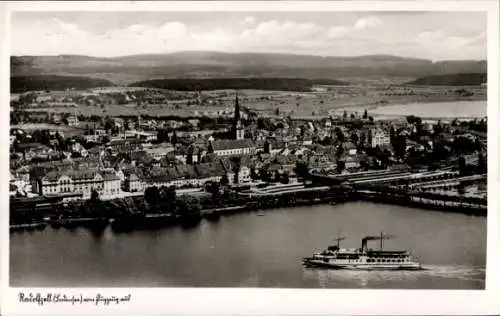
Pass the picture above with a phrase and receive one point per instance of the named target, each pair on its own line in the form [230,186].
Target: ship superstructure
[366,258]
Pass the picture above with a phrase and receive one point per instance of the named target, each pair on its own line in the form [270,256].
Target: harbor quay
[398,186]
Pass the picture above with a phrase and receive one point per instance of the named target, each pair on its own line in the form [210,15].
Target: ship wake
[368,278]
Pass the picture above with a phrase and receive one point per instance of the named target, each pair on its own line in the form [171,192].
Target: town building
[72,120]
[229,147]
[32,150]
[80,182]
[133,181]
[184,175]
[378,137]
[56,118]
[159,151]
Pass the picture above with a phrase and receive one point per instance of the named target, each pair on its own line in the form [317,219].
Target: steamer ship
[363,258]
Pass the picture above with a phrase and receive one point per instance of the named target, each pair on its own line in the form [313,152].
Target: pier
[447,183]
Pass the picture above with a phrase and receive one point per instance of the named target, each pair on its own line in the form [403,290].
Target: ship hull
[360,266]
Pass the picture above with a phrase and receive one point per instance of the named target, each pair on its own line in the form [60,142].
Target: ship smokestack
[364,241]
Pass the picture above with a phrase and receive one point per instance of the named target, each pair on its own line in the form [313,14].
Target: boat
[363,258]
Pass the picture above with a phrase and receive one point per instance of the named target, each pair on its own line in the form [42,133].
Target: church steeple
[238,129]
[237,114]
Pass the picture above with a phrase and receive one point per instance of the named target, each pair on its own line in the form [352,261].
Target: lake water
[456,109]
[246,250]
[459,109]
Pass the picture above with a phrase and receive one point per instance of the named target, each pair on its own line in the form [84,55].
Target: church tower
[238,129]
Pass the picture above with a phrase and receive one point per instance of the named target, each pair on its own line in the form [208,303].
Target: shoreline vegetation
[160,208]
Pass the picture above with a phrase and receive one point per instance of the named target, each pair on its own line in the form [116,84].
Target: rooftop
[228,144]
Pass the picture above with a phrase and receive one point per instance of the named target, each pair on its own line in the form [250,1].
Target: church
[238,145]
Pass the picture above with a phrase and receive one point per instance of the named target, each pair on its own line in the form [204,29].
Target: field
[325,100]
[66,130]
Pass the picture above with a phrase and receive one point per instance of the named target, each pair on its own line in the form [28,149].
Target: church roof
[227,144]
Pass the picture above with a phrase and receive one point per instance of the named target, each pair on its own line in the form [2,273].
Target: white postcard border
[241,301]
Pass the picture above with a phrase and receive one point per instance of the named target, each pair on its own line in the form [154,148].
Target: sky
[430,35]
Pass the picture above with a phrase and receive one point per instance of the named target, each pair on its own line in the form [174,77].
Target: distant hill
[19,84]
[277,84]
[460,79]
[199,64]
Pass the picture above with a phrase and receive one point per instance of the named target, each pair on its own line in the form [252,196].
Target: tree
[277,176]
[345,114]
[105,139]
[462,166]
[327,141]
[392,135]
[174,139]
[463,145]
[362,139]
[94,196]
[277,112]
[461,188]
[438,128]
[61,141]
[163,136]
[285,178]
[365,115]
[399,146]
[412,119]
[338,134]
[253,174]
[302,169]
[189,205]
[481,164]
[167,193]
[214,189]
[76,154]
[224,180]
[265,175]
[354,138]
[109,124]
[340,166]
[339,152]
[236,162]
[152,195]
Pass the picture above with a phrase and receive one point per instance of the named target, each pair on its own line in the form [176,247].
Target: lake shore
[314,105]
[146,221]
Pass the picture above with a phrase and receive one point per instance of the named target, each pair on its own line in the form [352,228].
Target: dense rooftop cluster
[117,156]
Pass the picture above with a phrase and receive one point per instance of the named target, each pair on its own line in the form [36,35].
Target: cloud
[432,35]
[439,38]
[59,26]
[274,34]
[171,30]
[438,44]
[367,22]
[248,20]
[337,31]
[358,35]
[137,28]
[479,39]
[287,29]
